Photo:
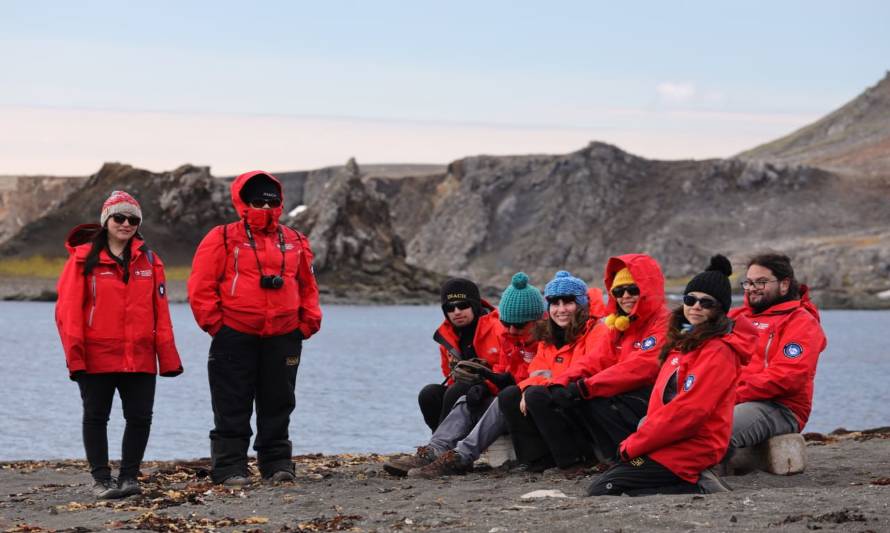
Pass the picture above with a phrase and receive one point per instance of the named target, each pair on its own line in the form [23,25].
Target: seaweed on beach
[835,517]
[175,524]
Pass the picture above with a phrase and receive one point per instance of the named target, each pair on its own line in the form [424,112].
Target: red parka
[486,341]
[621,361]
[107,325]
[691,432]
[517,352]
[224,286]
[550,362]
[784,364]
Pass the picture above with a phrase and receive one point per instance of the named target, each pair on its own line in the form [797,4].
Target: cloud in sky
[676,92]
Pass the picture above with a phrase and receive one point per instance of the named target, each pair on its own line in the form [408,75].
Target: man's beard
[766,303]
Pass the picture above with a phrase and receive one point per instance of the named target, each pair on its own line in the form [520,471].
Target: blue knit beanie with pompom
[521,302]
[565,284]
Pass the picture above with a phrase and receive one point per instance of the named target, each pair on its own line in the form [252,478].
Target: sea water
[356,387]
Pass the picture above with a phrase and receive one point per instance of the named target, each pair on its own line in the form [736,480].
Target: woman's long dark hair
[99,242]
[715,326]
[545,329]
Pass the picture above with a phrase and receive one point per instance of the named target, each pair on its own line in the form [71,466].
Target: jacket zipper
[769,341]
[235,279]
[93,308]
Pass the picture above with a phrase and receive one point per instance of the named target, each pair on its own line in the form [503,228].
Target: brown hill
[852,139]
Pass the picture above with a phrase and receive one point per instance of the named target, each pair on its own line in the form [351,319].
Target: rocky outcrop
[178,207]
[854,139]
[26,198]
[358,256]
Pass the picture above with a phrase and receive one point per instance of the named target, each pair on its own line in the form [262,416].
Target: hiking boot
[710,483]
[447,464]
[283,476]
[128,487]
[106,489]
[400,466]
[236,480]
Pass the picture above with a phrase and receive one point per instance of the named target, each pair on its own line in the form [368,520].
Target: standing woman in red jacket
[252,288]
[689,419]
[114,323]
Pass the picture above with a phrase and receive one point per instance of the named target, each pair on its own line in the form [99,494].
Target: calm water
[357,383]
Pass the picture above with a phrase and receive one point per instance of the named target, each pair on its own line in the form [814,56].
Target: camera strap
[257,256]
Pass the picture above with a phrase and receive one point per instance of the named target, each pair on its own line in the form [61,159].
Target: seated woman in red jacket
[114,322]
[689,419]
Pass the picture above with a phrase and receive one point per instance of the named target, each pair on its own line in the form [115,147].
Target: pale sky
[299,85]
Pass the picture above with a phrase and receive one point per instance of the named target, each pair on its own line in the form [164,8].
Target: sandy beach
[846,487]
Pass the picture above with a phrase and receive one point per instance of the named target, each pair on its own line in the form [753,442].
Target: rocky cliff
[854,139]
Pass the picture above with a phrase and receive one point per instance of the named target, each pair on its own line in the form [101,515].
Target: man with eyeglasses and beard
[470,331]
[253,289]
[775,391]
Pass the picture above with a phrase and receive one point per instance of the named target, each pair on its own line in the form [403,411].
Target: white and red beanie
[119,202]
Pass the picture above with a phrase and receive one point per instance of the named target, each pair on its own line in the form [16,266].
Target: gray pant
[756,422]
[461,432]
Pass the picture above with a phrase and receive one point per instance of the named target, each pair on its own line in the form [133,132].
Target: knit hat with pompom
[565,284]
[714,281]
[521,302]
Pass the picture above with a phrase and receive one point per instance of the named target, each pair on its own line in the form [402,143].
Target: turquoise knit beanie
[565,284]
[521,302]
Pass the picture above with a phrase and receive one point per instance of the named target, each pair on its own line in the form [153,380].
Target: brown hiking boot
[449,463]
[399,466]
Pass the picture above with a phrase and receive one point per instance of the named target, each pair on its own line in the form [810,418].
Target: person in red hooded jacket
[689,419]
[253,289]
[471,330]
[608,387]
[775,391]
[114,322]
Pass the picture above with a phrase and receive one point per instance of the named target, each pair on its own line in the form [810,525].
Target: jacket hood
[241,180]
[742,339]
[648,277]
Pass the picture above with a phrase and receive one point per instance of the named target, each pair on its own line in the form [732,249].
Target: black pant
[528,443]
[436,401]
[640,477]
[243,368]
[137,392]
[608,421]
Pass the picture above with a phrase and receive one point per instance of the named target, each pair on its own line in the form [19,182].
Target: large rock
[358,256]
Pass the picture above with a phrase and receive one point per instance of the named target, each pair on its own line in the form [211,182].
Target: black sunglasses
[618,292]
[517,325]
[457,305]
[119,218]
[706,303]
[259,203]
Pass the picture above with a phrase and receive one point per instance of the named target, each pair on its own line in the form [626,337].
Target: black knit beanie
[714,281]
[461,290]
[260,186]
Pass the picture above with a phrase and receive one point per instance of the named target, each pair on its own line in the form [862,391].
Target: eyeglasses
[449,307]
[120,219]
[749,284]
[259,203]
[516,325]
[705,303]
[618,292]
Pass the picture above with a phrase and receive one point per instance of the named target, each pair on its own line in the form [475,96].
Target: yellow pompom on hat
[619,322]
[623,277]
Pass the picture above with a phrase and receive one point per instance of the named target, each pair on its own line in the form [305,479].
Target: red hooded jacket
[224,286]
[621,361]
[486,341]
[784,364]
[107,325]
[691,432]
[517,352]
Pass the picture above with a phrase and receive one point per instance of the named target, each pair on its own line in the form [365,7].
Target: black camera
[271,282]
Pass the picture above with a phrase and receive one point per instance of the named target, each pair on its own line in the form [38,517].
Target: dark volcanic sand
[846,487]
